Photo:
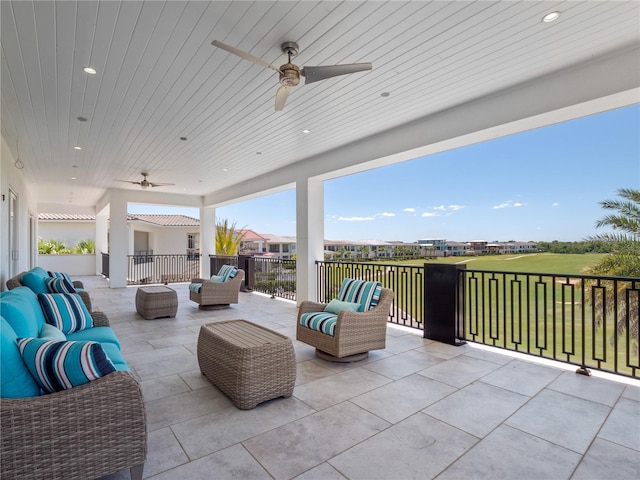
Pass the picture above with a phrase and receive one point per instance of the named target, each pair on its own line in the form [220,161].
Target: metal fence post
[440,302]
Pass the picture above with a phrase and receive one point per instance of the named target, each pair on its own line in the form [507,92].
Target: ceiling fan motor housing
[289,75]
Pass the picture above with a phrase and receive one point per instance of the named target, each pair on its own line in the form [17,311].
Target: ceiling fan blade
[281,97]
[154,184]
[127,181]
[313,74]
[245,55]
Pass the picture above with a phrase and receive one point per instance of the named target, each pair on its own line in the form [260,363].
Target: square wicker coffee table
[156,302]
[249,363]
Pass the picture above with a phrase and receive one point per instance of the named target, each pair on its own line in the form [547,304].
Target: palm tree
[624,260]
[228,238]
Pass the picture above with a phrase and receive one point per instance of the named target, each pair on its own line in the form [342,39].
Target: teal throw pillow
[35,281]
[49,332]
[217,278]
[336,306]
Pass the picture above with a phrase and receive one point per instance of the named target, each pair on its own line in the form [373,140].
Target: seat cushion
[320,321]
[114,354]
[96,334]
[365,293]
[65,311]
[15,379]
[58,366]
[195,287]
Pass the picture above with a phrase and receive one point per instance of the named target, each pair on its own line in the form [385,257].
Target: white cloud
[555,204]
[410,210]
[430,214]
[456,207]
[510,204]
[441,207]
[385,214]
[355,219]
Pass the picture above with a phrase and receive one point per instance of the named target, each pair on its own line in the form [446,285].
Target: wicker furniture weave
[86,432]
[250,363]
[16,281]
[355,334]
[156,302]
[217,294]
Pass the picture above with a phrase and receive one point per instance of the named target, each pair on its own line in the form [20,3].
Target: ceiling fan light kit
[290,74]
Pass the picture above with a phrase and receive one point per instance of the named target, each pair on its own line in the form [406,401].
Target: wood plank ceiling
[158,79]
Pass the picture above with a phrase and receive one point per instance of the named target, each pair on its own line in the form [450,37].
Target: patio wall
[71,264]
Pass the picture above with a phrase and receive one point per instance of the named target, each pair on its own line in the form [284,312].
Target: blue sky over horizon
[543,184]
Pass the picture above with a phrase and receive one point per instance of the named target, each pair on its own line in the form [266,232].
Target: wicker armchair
[214,294]
[17,282]
[355,332]
[86,432]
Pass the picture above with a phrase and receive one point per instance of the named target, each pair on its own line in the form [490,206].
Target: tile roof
[166,220]
[65,216]
[156,219]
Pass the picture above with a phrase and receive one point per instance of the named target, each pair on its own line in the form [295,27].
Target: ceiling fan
[144,183]
[290,73]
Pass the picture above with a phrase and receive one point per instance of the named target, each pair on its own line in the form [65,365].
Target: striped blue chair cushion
[60,285]
[65,311]
[58,366]
[227,272]
[320,321]
[195,287]
[366,293]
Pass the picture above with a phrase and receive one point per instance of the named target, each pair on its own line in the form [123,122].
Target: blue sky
[544,184]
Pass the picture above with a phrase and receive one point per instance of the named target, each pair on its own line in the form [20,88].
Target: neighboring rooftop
[156,219]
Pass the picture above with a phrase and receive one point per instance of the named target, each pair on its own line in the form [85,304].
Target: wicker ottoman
[250,363]
[156,302]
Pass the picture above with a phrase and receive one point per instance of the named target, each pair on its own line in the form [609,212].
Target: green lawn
[573,264]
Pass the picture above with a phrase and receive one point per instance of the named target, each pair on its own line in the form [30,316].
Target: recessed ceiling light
[89,70]
[82,119]
[306,131]
[258,153]
[74,166]
[385,94]
[550,17]
[225,169]
[77,147]
[73,178]
[183,138]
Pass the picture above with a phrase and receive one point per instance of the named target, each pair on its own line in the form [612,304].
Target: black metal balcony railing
[275,277]
[588,321]
[145,269]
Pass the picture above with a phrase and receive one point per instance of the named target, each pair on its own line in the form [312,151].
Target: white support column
[102,237]
[207,239]
[309,235]
[119,242]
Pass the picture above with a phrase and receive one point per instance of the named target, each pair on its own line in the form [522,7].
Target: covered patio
[417,409]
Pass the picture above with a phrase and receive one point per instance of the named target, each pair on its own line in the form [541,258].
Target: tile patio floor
[416,410]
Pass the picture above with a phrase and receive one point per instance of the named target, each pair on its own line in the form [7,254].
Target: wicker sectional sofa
[78,432]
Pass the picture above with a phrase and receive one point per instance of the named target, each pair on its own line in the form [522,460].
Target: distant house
[148,234]
[253,243]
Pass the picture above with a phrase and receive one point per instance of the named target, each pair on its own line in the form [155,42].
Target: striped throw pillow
[365,293]
[58,366]
[61,275]
[60,285]
[65,311]
[227,272]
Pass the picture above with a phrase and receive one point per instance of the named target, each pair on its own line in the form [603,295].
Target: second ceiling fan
[290,73]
